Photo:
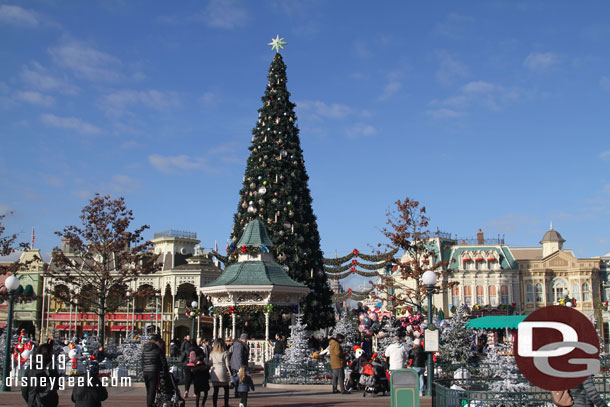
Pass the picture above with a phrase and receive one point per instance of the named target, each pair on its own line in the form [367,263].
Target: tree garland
[353,270]
[353,295]
[337,269]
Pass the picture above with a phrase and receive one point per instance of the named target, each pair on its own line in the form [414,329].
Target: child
[245,384]
[90,396]
[201,379]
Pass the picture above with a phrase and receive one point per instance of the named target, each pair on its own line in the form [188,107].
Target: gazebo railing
[260,352]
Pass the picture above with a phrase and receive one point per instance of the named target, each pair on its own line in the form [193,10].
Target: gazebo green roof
[255,235]
[254,273]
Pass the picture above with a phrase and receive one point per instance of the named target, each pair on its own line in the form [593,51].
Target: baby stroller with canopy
[168,394]
[374,378]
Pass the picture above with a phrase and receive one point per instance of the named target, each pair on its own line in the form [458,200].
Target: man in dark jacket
[185,348]
[585,394]
[240,352]
[153,364]
[90,395]
[42,396]
[279,347]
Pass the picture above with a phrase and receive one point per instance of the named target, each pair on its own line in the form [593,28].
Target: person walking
[201,379]
[398,354]
[185,349]
[206,348]
[154,364]
[220,372]
[188,372]
[337,362]
[244,386]
[279,347]
[586,395]
[92,393]
[418,356]
[39,396]
[239,356]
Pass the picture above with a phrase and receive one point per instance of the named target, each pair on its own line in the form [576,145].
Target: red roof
[65,327]
[89,328]
[118,328]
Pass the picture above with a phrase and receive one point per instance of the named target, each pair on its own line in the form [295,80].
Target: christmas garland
[339,260]
[353,270]
[252,309]
[337,269]
[380,257]
[353,295]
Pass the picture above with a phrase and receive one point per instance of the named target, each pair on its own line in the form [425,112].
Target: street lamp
[429,280]
[193,308]
[12,284]
[128,294]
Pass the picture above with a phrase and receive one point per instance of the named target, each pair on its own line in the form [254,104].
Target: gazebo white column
[214,328]
[233,323]
[220,332]
[266,326]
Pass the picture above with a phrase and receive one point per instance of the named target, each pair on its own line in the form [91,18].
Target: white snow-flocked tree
[130,353]
[385,337]
[347,327]
[456,339]
[500,365]
[298,350]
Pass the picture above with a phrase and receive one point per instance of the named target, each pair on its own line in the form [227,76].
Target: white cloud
[121,183]
[450,68]
[392,86]
[540,61]
[361,129]
[16,15]
[605,155]
[87,62]
[37,77]
[362,50]
[53,180]
[209,99]
[169,164]
[479,87]
[444,113]
[604,82]
[72,123]
[225,14]
[315,109]
[453,26]
[34,98]
[115,103]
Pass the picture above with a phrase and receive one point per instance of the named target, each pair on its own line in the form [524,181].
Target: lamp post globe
[429,278]
[194,304]
[194,307]
[11,283]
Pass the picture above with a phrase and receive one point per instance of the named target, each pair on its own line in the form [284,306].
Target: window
[455,296]
[504,294]
[468,295]
[480,295]
[493,296]
[530,292]
[560,289]
[586,292]
[576,292]
[539,293]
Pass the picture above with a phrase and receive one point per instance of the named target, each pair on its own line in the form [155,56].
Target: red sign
[557,348]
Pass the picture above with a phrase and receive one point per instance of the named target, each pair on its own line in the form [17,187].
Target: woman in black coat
[90,396]
[38,396]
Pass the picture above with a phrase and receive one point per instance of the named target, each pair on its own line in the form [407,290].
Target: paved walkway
[263,396]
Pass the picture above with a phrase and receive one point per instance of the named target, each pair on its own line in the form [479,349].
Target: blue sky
[493,114]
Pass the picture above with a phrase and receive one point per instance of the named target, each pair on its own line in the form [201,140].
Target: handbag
[562,398]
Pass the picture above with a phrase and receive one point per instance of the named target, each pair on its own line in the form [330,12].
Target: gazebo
[255,283]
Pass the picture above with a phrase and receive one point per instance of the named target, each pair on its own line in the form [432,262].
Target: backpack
[367,369]
[562,398]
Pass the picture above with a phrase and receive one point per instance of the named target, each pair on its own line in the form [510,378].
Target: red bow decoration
[349,292]
[352,269]
[354,262]
[356,252]
[244,249]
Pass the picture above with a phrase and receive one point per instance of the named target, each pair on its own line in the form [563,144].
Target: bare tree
[99,259]
[407,230]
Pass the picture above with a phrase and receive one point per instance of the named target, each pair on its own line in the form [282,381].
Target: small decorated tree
[298,351]
[501,365]
[456,339]
[347,327]
[130,353]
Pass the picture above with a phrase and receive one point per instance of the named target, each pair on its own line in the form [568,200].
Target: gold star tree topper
[277,43]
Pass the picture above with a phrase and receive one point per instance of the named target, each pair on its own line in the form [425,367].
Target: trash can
[404,388]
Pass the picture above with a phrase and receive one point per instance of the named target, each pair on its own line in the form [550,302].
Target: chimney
[480,237]
[65,246]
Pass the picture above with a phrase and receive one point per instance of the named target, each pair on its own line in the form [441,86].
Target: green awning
[496,322]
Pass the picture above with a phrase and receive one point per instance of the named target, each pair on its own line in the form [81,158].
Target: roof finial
[551,225]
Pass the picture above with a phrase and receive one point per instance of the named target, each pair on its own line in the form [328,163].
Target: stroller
[374,378]
[168,393]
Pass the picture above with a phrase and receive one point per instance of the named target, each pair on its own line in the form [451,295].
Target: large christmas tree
[275,190]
